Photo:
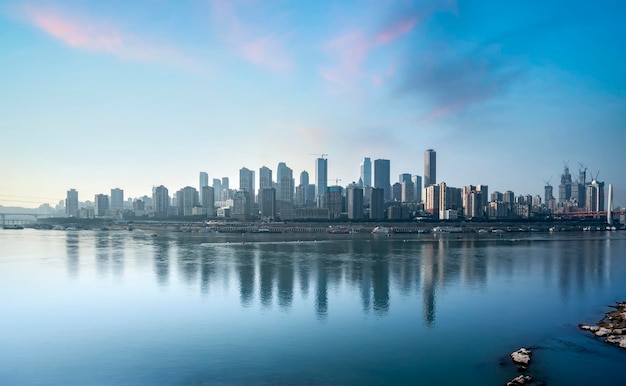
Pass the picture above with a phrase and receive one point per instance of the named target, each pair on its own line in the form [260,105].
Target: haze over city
[133,95]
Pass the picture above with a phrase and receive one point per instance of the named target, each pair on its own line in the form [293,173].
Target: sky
[102,94]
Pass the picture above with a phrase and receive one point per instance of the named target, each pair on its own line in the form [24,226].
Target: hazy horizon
[134,95]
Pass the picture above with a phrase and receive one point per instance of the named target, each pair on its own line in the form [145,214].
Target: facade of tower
[160,201]
[355,202]
[186,199]
[71,203]
[595,197]
[284,183]
[377,204]
[246,182]
[417,185]
[382,178]
[204,180]
[101,204]
[366,171]
[321,177]
[217,188]
[265,178]
[207,200]
[565,187]
[267,204]
[117,199]
[430,167]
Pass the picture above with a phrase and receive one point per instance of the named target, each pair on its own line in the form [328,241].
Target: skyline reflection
[279,274]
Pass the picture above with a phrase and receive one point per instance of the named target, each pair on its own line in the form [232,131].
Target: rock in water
[522,357]
[520,380]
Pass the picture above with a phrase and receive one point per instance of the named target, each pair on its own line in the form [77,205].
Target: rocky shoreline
[521,358]
[612,327]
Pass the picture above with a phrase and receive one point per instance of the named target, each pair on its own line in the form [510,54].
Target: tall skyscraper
[382,177]
[366,171]
[284,182]
[417,185]
[304,178]
[404,177]
[377,204]
[204,181]
[430,167]
[160,201]
[207,200]
[246,182]
[595,196]
[565,187]
[267,204]
[117,199]
[225,183]
[355,202]
[71,203]
[321,176]
[101,204]
[186,199]
[217,189]
[265,178]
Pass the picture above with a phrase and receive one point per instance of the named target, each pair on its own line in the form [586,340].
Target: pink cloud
[249,41]
[351,50]
[98,37]
[396,30]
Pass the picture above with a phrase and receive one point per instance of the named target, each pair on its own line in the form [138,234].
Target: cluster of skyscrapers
[373,196]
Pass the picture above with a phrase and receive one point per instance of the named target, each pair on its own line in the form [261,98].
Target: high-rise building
[430,167]
[246,182]
[225,183]
[284,182]
[396,192]
[242,205]
[204,181]
[186,199]
[217,188]
[117,199]
[321,177]
[355,202]
[160,201]
[595,196]
[417,185]
[366,171]
[408,191]
[382,177]
[404,177]
[265,178]
[304,178]
[71,203]
[565,187]
[101,204]
[267,204]
[548,193]
[334,201]
[377,204]
[431,201]
[207,200]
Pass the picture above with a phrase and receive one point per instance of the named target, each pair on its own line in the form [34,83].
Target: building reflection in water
[417,270]
[103,251]
[118,246]
[161,247]
[72,242]
[245,263]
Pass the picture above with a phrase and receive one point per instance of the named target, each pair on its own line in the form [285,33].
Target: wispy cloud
[92,35]
[451,80]
[361,54]
[248,40]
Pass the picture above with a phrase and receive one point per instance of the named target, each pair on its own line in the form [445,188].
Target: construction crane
[547,182]
[320,154]
[337,181]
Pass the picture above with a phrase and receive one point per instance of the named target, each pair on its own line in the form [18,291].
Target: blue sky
[103,94]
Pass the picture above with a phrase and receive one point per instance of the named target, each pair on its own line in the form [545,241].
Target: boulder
[520,380]
[522,357]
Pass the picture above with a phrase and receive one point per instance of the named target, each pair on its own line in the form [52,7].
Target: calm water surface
[103,308]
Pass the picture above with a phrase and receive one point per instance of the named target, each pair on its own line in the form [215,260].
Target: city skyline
[504,93]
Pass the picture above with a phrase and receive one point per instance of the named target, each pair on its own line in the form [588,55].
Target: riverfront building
[430,167]
[71,203]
